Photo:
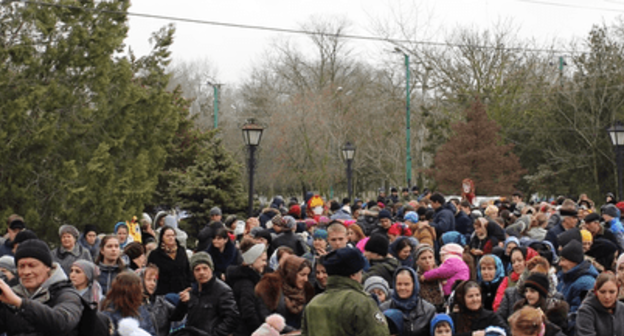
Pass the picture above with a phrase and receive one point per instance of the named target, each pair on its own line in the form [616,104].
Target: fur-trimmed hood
[269,289]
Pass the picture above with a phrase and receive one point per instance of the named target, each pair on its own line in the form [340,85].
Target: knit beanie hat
[253,253]
[289,222]
[264,233]
[610,210]
[422,248]
[377,282]
[8,263]
[384,214]
[320,234]
[377,244]
[91,270]
[134,250]
[89,228]
[344,262]
[411,216]
[215,211]
[23,236]
[573,252]
[201,258]
[586,236]
[69,229]
[539,282]
[437,319]
[34,248]
[567,236]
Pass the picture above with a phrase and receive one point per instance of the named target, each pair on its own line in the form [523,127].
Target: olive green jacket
[343,309]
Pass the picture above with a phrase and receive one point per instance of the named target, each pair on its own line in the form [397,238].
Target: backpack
[92,322]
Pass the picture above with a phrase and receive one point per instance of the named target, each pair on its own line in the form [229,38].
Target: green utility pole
[216,87]
[561,64]
[408,149]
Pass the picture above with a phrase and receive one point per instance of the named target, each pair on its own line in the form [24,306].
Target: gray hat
[69,229]
[8,263]
[376,282]
[289,222]
[201,258]
[215,211]
[610,210]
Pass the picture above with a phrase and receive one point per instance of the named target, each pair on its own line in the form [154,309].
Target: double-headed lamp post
[252,134]
[348,152]
[616,133]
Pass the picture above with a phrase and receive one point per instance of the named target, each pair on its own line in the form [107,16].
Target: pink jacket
[451,270]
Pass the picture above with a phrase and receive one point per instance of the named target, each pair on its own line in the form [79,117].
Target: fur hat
[69,229]
[90,227]
[344,262]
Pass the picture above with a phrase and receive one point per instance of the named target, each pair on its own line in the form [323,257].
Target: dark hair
[465,204]
[222,233]
[100,257]
[282,250]
[429,214]
[246,244]
[403,243]
[125,295]
[437,197]
[455,201]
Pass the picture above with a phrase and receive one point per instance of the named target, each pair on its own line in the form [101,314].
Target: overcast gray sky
[233,51]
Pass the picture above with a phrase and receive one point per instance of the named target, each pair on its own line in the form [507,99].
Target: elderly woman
[69,251]
[84,275]
[287,291]
[472,319]
[601,313]
[417,313]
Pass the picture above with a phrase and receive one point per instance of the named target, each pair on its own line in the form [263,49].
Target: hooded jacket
[451,270]
[230,256]
[417,313]
[243,280]
[576,283]
[53,309]
[384,268]
[594,319]
[94,249]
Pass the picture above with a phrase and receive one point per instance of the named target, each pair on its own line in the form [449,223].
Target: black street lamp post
[252,134]
[616,133]
[348,152]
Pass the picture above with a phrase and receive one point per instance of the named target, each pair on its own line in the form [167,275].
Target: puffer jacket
[576,283]
[67,258]
[54,309]
[451,270]
[594,319]
[212,311]
[243,280]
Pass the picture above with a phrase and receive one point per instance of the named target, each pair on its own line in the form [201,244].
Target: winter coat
[384,268]
[174,274]
[243,281]
[107,275]
[54,309]
[145,320]
[368,222]
[508,282]
[444,218]
[576,283]
[417,313]
[451,270]
[431,291]
[66,258]
[594,319]
[270,291]
[474,321]
[426,235]
[162,312]
[510,297]
[230,256]
[488,293]
[343,310]
[409,261]
[94,249]
[204,238]
[212,311]
[266,215]
[290,239]
[6,248]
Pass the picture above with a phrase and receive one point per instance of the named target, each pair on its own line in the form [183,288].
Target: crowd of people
[409,264]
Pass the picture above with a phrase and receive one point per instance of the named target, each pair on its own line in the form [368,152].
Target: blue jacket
[444,219]
[576,283]
[463,224]
[552,234]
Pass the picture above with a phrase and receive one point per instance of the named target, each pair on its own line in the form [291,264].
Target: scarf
[408,304]
[294,298]
[169,249]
